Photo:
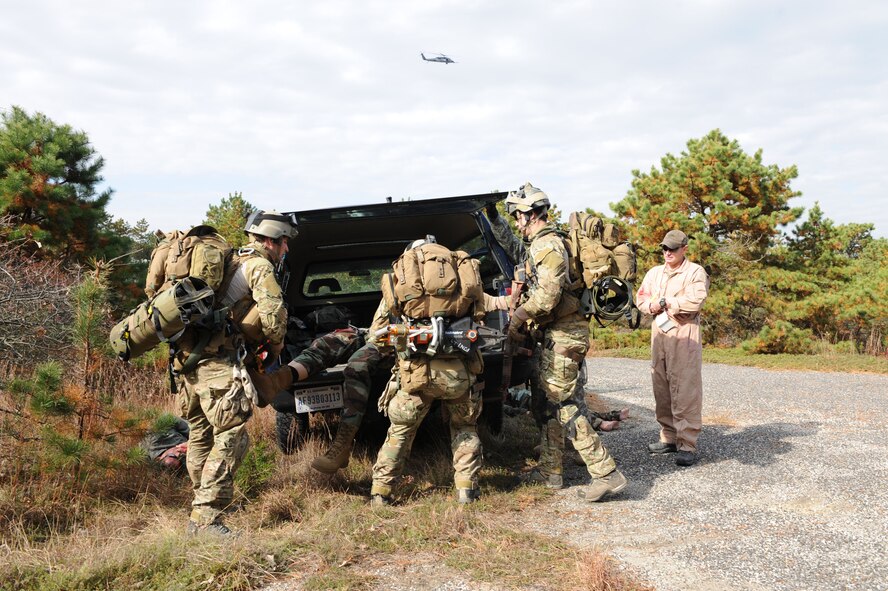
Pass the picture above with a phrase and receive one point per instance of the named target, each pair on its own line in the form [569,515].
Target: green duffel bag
[162,319]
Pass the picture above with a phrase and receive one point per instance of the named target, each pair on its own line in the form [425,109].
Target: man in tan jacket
[674,294]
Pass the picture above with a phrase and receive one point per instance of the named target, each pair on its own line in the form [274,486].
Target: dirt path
[791,491]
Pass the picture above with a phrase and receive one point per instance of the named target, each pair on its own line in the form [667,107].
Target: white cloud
[323,104]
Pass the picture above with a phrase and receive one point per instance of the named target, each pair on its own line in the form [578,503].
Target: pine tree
[49,174]
[714,192]
[732,206]
[845,271]
[230,217]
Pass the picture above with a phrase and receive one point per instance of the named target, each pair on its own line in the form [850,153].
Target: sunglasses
[667,249]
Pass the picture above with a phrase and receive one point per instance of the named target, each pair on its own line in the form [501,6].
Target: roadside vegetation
[822,355]
[82,507]
[95,513]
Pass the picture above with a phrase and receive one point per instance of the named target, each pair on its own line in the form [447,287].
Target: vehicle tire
[290,430]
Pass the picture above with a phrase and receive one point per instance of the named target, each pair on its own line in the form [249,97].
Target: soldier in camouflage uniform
[550,307]
[361,359]
[606,421]
[214,396]
[452,379]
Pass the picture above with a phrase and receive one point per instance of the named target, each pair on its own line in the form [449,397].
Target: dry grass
[832,362]
[122,525]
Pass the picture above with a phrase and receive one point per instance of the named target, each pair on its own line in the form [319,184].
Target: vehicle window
[344,277]
[478,249]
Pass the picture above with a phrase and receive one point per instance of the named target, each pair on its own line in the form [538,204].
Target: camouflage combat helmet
[526,199]
[272,224]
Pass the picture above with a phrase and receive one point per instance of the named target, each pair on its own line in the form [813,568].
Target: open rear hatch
[340,253]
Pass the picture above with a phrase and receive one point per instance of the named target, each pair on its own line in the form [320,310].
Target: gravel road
[791,490]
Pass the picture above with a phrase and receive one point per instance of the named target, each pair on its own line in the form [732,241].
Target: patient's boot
[270,384]
[340,451]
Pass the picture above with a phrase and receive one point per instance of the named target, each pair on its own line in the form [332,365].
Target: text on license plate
[319,398]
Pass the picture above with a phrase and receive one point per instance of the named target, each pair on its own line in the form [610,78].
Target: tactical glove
[519,318]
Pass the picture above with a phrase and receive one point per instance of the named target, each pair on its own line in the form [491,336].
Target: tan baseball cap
[674,239]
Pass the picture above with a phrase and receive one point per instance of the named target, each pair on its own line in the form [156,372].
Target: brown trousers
[676,373]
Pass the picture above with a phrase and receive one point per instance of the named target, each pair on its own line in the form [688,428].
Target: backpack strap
[197,352]
[217,321]
[394,305]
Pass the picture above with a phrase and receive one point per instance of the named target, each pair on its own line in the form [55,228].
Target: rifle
[518,284]
[282,274]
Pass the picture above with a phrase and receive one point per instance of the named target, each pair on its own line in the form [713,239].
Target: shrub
[781,337]
[256,470]
[618,338]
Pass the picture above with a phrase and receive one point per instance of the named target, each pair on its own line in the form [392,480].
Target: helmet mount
[527,200]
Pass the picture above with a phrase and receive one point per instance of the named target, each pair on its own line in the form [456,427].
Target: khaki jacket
[685,289]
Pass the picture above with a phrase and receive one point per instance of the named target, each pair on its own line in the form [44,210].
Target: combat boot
[216,528]
[537,476]
[685,458]
[662,448]
[340,451]
[467,496]
[606,485]
[270,384]
[380,501]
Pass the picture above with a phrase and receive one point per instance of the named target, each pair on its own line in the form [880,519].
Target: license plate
[319,398]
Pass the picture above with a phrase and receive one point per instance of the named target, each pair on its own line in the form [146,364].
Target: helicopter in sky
[441,58]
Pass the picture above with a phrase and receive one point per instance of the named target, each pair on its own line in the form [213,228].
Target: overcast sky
[302,105]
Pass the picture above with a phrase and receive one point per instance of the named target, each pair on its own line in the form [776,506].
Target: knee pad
[403,412]
[467,437]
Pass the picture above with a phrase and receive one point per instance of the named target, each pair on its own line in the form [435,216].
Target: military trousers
[358,377]
[561,375]
[217,412]
[343,346]
[406,410]
[677,379]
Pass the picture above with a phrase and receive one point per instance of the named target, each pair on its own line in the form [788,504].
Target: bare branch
[34,301]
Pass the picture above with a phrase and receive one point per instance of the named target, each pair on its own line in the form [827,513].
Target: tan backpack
[600,249]
[194,263]
[592,259]
[606,266]
[200,252]
[433,281]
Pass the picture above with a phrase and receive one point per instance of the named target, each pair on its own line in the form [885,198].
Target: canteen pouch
[413,374]
[438,377]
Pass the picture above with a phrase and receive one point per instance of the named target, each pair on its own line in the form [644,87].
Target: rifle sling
[195,355]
